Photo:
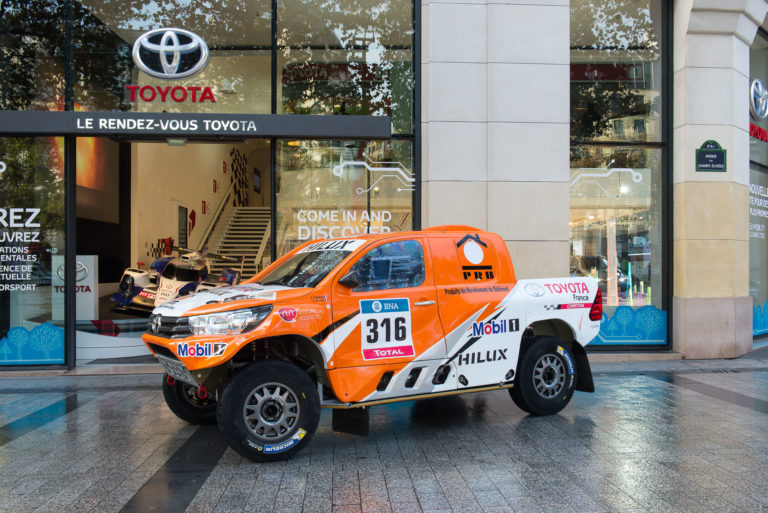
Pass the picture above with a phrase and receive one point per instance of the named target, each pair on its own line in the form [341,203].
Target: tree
[18,337]
[46,338]
[5,350]
[615,45]
[624,316]
[649,320]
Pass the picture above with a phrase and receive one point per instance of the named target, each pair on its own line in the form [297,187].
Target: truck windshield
[305,269]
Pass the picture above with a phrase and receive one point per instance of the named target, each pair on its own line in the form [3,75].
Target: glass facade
[617,175]
[758,192]
[135,205]
[340,188]
[32,55]
[31,251]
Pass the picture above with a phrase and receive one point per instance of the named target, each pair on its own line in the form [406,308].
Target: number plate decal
[385,326]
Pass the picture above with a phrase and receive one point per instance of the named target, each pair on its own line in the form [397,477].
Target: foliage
[44,342]
[624,316]
[611,39]
[648,319]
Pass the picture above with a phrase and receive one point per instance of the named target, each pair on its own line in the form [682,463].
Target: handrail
[216,216]
[263,245]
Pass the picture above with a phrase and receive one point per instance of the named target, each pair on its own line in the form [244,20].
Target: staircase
[247,229]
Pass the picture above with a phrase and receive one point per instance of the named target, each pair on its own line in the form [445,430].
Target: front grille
[164,351]
[170,327]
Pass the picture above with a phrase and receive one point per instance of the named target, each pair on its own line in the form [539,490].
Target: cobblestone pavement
[661,437]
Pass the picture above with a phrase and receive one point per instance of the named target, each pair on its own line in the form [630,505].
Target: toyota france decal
[170,53]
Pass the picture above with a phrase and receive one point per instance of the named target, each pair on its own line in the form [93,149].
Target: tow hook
[170,380]
[202,392]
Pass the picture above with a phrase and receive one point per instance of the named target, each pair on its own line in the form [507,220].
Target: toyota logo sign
[758,100]
[81,271]
[170,53]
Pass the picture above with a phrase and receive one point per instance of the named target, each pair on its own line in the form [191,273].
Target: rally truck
[355,322]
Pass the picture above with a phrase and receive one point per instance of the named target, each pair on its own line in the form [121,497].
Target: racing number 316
[386,325]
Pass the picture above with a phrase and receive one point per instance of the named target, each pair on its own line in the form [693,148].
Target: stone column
[712,309]
[495,124]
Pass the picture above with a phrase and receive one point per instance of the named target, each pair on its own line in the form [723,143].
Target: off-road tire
[546,377]
[282,408]
[183,401]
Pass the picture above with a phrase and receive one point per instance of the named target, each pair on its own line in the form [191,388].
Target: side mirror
[350,280]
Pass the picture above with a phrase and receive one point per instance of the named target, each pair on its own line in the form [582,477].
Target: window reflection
[32,55]
[615,229]
[328,189]
[346,57]
[616,70]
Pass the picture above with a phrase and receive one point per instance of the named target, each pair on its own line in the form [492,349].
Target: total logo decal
[495,327]
[201,350]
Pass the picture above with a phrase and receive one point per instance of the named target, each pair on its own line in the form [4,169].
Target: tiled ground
[676,439]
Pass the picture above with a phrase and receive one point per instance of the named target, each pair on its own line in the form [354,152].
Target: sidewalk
[601,363]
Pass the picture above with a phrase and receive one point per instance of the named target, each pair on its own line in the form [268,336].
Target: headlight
[229,323]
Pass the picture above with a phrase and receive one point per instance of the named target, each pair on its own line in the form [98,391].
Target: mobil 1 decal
[475,264]
[385,326]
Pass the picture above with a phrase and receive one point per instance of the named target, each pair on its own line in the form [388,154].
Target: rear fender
[561,330]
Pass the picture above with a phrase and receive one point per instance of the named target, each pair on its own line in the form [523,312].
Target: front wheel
[269,411]
[186,403]
[546,377]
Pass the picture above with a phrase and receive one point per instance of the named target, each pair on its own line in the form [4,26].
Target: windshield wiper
[275,282]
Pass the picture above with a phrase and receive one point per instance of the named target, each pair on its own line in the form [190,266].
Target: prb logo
[201,350]
[473,265]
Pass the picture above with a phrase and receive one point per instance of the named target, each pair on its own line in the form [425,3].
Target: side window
[395,265]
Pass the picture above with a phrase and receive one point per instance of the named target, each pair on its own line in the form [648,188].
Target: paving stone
[638,444]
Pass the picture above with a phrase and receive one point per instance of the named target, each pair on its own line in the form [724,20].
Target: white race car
[169,278]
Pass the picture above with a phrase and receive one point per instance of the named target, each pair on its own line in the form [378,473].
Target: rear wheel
[546,377]
[269,411]
[186,403]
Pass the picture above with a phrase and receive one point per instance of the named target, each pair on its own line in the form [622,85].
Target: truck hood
[252,293]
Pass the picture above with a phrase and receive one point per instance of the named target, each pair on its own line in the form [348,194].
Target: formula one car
[171,277]
[351,323]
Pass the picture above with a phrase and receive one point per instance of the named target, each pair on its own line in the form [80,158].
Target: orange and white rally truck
[355,322]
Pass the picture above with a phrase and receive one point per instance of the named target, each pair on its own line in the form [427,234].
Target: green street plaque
[710,157]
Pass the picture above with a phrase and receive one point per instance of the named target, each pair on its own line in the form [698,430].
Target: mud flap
[584,381]
[353,421]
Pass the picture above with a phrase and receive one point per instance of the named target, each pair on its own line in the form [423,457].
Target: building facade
[608,139]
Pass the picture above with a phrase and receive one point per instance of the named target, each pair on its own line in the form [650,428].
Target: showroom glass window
[329,189]
[345,58]
[758,191]
[235,80]
[617,72]
[32,55]
[31,250]
[31,187]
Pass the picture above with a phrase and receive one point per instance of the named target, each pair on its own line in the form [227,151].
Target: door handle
[423,303]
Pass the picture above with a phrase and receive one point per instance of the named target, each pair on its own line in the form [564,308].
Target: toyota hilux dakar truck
[355,322]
